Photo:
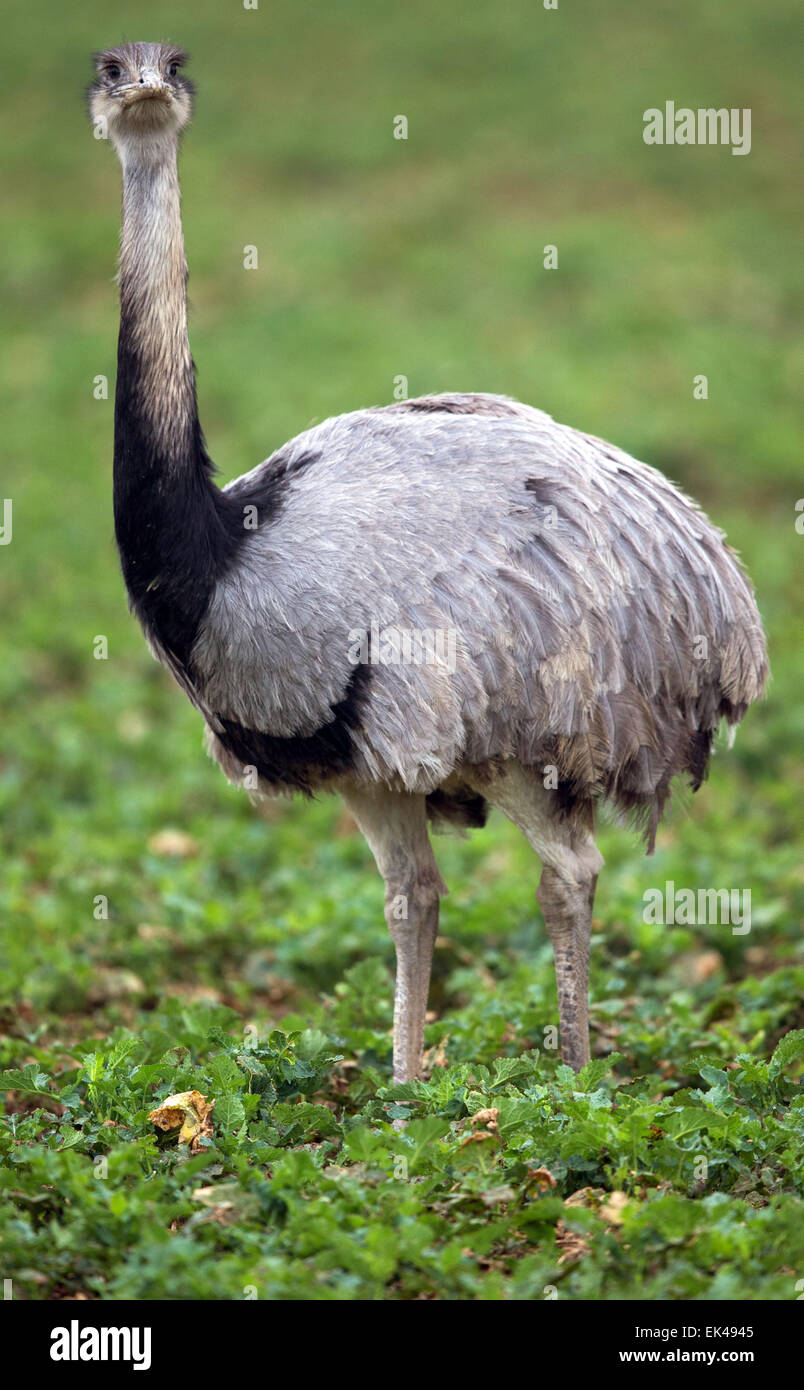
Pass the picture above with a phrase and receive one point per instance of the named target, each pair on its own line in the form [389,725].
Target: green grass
[257,969]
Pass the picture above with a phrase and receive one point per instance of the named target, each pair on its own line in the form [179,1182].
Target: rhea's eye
[173,70]
[113,71]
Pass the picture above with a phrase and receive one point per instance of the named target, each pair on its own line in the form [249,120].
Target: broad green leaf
[225,1075]
[788,1049]
[229,1113]
[715,1076]
[688,1119]
[29,1079]
[594,1071]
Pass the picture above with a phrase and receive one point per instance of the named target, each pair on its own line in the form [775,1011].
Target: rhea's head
[140,97]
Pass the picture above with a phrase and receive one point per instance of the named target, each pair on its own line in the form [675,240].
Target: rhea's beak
[150,85]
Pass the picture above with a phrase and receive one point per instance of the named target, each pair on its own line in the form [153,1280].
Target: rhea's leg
[566,892]
[395,827]
[567,909]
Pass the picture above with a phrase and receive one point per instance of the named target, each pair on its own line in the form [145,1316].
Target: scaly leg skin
[571,862]
[395,826]
[414,940]
[567,910]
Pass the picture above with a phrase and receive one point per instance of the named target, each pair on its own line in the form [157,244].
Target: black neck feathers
[175,530]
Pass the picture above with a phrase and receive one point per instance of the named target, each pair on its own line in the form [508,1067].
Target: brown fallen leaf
[488,1118]
[759,957]
[224,1203]
[585,1197]
[571,1245]
[190,1113]
[223,1212]
[190,993]
[150,931]
[496,1196]
[696,966]
[131,726]
[109,983]
[481,1137]
[541,1177]
[176,844]
[612,1210]
[436,1056]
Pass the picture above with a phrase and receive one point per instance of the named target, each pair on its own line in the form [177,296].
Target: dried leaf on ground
[571,1245]
[488,1118]
[190,1112]
[612,1210]
[542,1178]
[175,844]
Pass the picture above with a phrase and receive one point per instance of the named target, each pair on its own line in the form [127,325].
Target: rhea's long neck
[167,511]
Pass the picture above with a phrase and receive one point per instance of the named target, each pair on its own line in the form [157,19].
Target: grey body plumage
[575,580]
[588,627]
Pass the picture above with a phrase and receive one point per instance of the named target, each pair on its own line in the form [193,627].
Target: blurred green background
[378,258]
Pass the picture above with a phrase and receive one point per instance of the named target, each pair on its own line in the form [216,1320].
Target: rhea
[593,628]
